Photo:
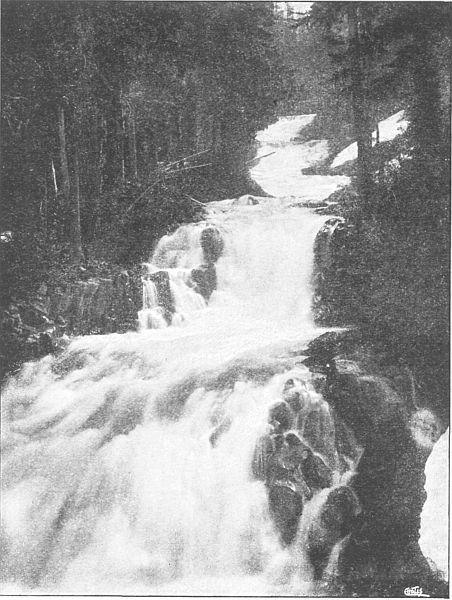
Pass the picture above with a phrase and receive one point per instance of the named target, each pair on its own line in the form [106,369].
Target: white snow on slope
[434,517]
[389,129]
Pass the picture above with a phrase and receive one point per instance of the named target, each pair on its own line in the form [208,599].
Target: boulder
[162,283]
[380,431]
[205,279]
[383,547]
[363,402]
[212,244]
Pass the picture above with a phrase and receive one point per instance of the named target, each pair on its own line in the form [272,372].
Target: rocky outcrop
[381,556]
[99,305]
[326,272]
[41,325]
[165,298]
[212,244]
[205,279]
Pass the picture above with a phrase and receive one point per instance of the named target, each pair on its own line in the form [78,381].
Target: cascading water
[111,481]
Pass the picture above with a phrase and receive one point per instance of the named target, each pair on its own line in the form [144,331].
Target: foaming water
[280,171]
[110,481]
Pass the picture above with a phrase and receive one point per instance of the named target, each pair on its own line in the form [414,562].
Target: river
[111,484]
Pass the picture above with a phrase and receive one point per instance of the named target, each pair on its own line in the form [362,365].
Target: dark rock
[334,521]
[98,305]
[165,297]
[282,416]
[362,402]
[205,279]
[212,244]
[262,453]
[45,344]
[389,483]
[318,429]
[372,412]
[286,508]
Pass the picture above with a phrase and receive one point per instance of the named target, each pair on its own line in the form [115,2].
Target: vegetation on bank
[118,120]
[390,271]
[115,115]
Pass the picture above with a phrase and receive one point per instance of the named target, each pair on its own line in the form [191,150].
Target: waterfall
[151,315]
[112,483]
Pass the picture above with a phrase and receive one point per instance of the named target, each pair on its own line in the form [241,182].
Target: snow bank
[434,518]
[389,129]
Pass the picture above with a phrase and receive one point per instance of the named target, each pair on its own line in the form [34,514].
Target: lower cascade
[197,455]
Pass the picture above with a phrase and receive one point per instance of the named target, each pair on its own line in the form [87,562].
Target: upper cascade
[280,170]
[285,130]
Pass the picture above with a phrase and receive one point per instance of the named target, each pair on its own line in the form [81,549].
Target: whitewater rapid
[111,484]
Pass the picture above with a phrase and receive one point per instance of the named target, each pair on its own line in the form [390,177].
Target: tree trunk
[98,174]
[361,117]
[426,119]
[121,132]
[71,192]
[101,137]
[132,145]
[75,232]
[43,207]
[65,182]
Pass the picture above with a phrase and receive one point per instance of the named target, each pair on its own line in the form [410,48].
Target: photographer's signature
[415,592]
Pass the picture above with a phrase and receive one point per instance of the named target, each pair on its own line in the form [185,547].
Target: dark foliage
[113,114]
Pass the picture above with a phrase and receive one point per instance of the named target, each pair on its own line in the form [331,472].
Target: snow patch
[434,517]
[389,129]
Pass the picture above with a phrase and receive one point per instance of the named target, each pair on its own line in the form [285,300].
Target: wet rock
[281,416]
[98,304]
[318,429]
[363,402]
[165,298]
[335,521]
[389,483]
[262,453]
[212,244]
[376,414]
[205,279]
[323,258]
[286,508]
